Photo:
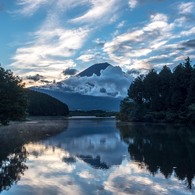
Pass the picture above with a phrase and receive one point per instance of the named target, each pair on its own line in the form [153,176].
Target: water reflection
[169,149]
[13,153]
[98,157]
[12,166]
[96,142]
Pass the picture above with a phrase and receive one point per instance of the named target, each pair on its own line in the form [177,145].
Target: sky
[52,39]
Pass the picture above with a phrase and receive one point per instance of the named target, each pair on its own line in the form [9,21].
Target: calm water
[98,157]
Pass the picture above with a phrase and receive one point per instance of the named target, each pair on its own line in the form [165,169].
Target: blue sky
[46,37]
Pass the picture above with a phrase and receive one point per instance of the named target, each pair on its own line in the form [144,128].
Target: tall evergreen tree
[178,87]
[191,90]
[136,90]
[151,90]
[165,77]
[163,96]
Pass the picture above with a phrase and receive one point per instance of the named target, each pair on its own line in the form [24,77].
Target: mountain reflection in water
[102,157]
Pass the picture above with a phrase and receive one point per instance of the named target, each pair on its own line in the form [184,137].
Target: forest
[164,96]
[17,102]
[40,104]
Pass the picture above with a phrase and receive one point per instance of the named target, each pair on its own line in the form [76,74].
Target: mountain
[76,101]
[101,86]
[94,69]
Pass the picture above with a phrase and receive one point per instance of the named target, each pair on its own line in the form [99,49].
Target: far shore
[90,117]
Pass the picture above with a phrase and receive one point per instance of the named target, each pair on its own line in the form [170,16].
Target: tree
[151,90]
[13,103]
[135,91]
[166,96]
[191,97]
[40,104]
[165,77]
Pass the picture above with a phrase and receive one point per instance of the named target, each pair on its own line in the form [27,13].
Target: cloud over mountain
[111,82]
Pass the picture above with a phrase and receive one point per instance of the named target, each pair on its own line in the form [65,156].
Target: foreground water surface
[96,156]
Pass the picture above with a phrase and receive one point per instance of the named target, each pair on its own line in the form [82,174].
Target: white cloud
[49,50]
[186,7]
[61,37]
[139,42]
[29,7]
[86,57]
[53,43]
[100,9]
[104,85]
[133,3]
[121,24]
[188,32]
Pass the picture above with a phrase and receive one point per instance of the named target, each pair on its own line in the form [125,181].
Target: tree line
[40,104]
[16,102]
[167,96]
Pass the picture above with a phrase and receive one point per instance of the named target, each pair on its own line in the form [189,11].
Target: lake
[96,156]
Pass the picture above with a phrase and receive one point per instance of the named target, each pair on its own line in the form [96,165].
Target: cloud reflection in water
[71,163]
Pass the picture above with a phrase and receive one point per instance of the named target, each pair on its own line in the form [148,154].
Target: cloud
[99,42]
[139,42]
[133,71]
[121,24]
[46,81]
[70,71]
[133,3]
[188,32]
[86,57]
[36,77]
[100,9]
[29,7]
[67,25]
[56,40]
[48,51]
[190,43]
[95,85]
[186,7]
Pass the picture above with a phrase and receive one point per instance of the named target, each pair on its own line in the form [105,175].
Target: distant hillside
[41,104]
[94,69]
[77,101]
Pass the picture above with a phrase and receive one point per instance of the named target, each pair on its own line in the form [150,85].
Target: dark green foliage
[44,105]
[163,96]
[136,90]
[165,77]
[151,91]
[13,102]
[168,149]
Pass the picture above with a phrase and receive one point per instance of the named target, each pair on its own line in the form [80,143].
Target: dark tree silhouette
[40,104]
[164,148]
[12,168]
[163,96]
[13,102]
